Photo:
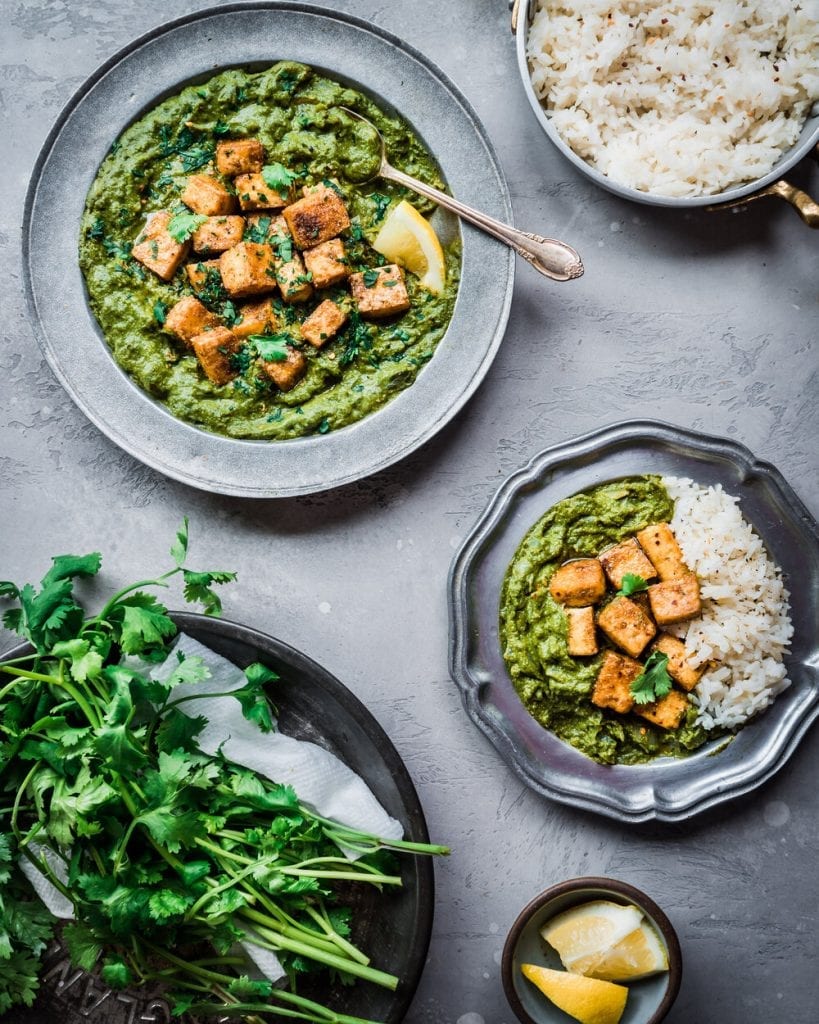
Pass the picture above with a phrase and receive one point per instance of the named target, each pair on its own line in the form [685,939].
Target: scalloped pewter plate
[394,926]
[160,63]
[668,789]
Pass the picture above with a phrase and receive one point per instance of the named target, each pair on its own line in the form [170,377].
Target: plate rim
[156,459]
[416,823]
[460,618]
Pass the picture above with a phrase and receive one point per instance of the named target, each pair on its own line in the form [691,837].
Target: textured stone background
[701,320]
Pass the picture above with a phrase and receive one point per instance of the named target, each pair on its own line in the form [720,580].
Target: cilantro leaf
[160,312]
[66,567]
[179,548]
[277,177]
[116,973]
[654,682]
[182,225]
[85,662]
[273,348]
[370,278]
[632,584]
[382,202]
[178,730]
[143,622]
[199,588]
[83,946]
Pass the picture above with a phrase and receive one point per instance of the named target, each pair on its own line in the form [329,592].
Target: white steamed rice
[679,98]
[745,627]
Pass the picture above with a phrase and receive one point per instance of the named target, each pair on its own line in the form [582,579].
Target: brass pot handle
[805,205]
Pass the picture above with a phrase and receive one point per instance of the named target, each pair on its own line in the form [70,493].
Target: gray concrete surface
[701,320]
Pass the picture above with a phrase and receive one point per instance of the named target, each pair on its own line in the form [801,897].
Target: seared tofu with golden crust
[324,323]
[380,292]
[327,263]
[189,317]
[203,274]
[660,544]
[256,318]
[207,196]
[667,712]
[612,688]
[286,373]
[218,234]
[678,666]
[213,350]
[293,279]
[578,583]
[157,249]
[675,600]
[581,637]
[626,624]
[317,217]
[627,557]
[254,193]
[239,156]
[248,269]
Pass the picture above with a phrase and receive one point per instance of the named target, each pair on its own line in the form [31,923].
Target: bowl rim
[602,884]
[796,153]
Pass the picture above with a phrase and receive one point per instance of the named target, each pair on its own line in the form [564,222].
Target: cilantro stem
[107,608]
[335,938]
[82,703]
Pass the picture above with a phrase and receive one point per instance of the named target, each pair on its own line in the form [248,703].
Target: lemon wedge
[583,934]
[637,956]
[409,239]
[586,999]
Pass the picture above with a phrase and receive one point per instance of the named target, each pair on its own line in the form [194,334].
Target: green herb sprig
[654,682]
[631,584]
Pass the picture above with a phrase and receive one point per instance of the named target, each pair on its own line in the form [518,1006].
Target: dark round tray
[393,927]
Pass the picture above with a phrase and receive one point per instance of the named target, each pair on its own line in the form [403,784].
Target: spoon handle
[548,256]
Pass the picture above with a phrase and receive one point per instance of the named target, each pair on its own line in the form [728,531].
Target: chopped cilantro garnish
[283,246]
[381,203]
[221,128]
[182,225]
[277,177]
[356,336]
[160,312]
[258,232]
[370,278]
[272,348]
[230,314]
[631,584]
[654,681]
[324,426]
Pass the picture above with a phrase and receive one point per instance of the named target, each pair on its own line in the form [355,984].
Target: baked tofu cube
[205,195]
[578,583]
[189,317]
[324,323]
[675,600]
[626,624]
[327,263]
[213,350]
[678,666]
[612,688]
[156,249]
[660,544]
[286,373]
[627,557]
[380,292]
[239,156]
[667,712]
[257,318]
[255,194]
[582,638]
[317,217]
[248,269]
[293,279]
[218,234]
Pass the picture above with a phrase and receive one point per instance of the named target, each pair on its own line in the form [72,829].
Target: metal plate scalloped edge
[655,791]
[72,996]
[71,340]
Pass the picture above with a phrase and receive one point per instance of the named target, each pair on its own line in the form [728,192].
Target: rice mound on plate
[745,626]
[678,98]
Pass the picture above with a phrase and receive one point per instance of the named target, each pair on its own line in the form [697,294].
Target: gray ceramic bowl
[649,1000]
[807,140]
[190,49]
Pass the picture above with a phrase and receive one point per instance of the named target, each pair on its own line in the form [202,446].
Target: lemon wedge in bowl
[586,999]
[408,239]
[607,941]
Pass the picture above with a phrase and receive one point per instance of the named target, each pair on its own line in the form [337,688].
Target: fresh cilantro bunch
[169,855]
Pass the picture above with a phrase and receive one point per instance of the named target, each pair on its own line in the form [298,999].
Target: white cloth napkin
[322,781]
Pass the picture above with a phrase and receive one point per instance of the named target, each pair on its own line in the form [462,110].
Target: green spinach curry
[554,686]
[293,112]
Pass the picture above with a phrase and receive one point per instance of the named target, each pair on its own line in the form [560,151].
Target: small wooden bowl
[649,1000]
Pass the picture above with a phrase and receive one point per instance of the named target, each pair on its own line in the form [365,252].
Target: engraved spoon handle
[550,257]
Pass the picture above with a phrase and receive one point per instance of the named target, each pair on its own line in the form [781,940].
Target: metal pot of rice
[678,103]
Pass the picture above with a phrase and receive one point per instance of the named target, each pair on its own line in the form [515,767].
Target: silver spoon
[551,258]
